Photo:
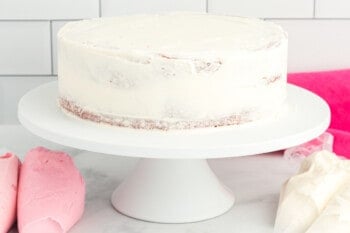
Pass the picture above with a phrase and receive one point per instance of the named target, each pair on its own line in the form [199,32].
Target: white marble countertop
[255,181]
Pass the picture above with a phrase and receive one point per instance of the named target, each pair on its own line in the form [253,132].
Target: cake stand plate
[173,183]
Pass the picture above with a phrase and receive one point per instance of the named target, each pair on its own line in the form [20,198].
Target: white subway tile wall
[319,31]
[56,25]
[120,7]
[264,8]
[317,44]
[12,88]
[25,47]
[332,8]
[48,9]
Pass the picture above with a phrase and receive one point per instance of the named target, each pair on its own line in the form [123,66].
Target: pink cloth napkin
[334,87]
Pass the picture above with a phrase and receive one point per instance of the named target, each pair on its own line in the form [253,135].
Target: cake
[51,192]
[172,70]
[9,172]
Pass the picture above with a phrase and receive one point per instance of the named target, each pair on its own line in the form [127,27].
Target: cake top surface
[174,32]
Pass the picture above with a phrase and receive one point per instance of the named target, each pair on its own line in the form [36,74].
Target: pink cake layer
[76,110]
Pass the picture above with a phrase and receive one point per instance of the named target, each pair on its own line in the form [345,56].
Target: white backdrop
[319,34]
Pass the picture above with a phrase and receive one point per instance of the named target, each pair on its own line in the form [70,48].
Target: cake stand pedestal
[172,182]
[172,191]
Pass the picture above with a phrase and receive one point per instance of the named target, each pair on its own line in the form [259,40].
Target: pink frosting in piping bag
[51,192]
[9,167]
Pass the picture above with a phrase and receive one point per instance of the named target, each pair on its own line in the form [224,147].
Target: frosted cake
[172,71]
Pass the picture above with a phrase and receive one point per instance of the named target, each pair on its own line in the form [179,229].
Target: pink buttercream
[51,193]
[9,167]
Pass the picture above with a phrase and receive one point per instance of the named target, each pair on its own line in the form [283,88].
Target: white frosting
[189,32]
[336,216]
[313,198]
[176,66]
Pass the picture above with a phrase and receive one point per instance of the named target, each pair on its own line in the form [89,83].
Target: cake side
[176,79]
[70,108]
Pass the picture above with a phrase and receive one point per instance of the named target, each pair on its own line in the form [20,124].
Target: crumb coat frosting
[174,66]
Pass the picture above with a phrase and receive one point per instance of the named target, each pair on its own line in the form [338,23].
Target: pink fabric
[334,87]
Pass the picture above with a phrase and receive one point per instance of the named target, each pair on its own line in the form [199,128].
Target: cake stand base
[172,191]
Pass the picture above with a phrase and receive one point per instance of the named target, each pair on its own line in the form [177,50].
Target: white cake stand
[173,182]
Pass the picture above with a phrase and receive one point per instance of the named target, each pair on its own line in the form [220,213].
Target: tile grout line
[35,20]
[63,20]
[24,20]
[28,75]
[314,10]
[296,19]
[99,8]
[51,47]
